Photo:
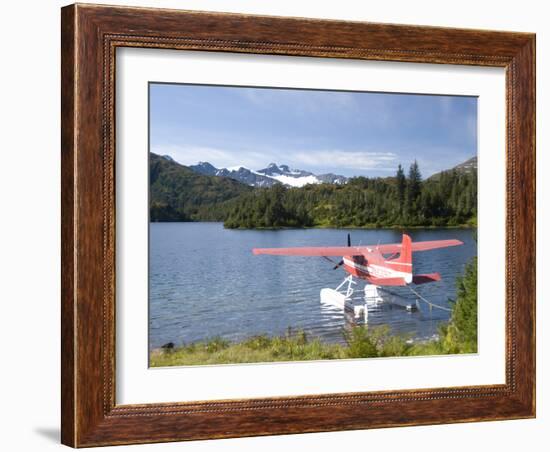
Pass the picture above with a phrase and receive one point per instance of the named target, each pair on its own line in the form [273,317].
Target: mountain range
[467,167]
[268,176]
[206,193]
[274,174]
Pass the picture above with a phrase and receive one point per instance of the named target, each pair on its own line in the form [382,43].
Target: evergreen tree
[277,212]
[412,193]
[401,187]
[461,333]
[413,184]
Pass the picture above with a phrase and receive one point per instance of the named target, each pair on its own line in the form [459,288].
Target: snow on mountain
[246,176]
[288,176]
[283,170]
[297,181]
[269,176]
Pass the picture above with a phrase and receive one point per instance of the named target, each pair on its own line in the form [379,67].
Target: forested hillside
[180,194]
[447,199]
[450,199]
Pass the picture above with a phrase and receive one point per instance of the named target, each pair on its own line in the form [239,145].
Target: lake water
[205,282]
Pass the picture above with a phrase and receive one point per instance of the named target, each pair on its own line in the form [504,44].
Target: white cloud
[334,160]
[360,160]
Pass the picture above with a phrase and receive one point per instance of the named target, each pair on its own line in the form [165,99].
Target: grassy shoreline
[361,342]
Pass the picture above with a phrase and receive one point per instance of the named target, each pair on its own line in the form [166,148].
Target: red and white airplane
[379,265]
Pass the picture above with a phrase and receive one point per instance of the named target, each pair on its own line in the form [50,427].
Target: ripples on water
[204,281]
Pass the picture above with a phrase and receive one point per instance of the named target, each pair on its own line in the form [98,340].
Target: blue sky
[348,133]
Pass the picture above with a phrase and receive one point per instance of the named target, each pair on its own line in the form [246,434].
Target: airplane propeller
[342,261]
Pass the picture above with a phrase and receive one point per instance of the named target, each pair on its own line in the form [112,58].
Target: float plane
[378,265]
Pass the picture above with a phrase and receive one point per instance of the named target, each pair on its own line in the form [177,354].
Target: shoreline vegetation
[366,227]
[458,336]
[446,199]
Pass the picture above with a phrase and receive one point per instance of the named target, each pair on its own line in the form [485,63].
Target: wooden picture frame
[90,36]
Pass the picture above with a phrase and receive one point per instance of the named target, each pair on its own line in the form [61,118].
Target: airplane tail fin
[403,263]
[405,255]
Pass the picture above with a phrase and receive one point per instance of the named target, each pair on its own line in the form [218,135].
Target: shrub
[360,343]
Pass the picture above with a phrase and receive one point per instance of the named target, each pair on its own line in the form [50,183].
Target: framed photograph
[282,225]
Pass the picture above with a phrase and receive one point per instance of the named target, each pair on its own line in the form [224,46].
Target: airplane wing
[419,246]
[314,251]
[354,250]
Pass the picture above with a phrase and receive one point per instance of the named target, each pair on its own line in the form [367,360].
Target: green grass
[361,342]
[255,349]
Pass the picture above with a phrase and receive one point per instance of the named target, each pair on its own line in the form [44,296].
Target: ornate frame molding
[90,37]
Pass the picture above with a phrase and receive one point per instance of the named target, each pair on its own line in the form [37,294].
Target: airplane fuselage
[374,265]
